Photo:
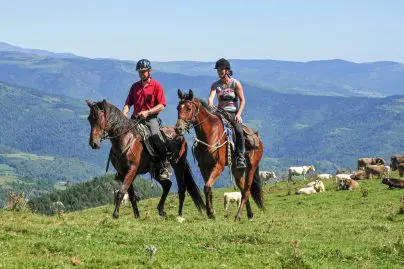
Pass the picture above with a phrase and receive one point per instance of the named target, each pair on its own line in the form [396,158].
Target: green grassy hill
[334,229]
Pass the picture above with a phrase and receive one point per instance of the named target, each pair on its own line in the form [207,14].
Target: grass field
[334,229]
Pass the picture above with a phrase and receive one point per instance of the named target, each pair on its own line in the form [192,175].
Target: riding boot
[240,150]
[165,171]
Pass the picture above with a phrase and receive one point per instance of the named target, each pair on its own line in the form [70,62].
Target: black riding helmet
[143,64]
[222,64]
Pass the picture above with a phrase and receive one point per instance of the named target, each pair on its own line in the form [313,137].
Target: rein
[106,136]
[215,145]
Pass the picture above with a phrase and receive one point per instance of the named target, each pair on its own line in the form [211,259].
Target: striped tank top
[226,94]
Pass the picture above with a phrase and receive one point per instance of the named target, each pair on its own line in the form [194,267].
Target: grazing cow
[324,176]
[396,162]
[393,182]
[350,184]
[362,162]
[265,176]
[230,197]
[300,170]
[379,170]
[358,175]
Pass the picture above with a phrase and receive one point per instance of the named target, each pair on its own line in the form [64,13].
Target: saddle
[172,140]
[251,136]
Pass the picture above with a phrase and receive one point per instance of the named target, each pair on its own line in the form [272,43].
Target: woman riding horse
[212,152]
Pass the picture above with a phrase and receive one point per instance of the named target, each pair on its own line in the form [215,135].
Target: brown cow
[358,175]
[378,170]
[362,162]
[393,182]
[396,163]
[351,184]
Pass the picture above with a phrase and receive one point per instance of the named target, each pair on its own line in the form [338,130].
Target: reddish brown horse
[211,152]
[130,156]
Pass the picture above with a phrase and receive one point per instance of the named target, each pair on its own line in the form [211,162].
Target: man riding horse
[147,97]
[229,91]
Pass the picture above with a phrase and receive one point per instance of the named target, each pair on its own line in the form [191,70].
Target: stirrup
[164,174]
[240,164]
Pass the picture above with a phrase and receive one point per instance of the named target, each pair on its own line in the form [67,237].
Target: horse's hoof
[162,213]
[115,215]
[237,218]
[212,216]
[251,219]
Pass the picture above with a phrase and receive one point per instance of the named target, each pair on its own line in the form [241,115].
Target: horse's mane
[116,118]
[204,104]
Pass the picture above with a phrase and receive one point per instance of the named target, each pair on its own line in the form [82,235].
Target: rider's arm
[128,103]
[157,109]
[240,94]
[211,97]
[125,110]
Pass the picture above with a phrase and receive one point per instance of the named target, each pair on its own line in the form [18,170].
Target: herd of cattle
[345,179]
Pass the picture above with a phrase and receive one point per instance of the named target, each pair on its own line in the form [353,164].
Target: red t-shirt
[145,97]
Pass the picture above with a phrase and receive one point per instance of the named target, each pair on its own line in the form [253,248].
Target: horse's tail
[192,188]
[256,189]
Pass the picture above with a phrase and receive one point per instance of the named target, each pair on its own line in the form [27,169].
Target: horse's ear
[89,103]
[191,94]
[180,94]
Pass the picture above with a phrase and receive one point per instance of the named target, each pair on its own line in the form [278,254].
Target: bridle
[191,122]
[105,135]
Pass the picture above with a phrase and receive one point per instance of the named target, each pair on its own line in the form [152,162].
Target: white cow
[324,176]
[318,185]
[306,190]
[266,175]
[230,197]
[300,170]
[340,180]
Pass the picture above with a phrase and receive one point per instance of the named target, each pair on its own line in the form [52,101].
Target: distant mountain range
[8,47]
[327,78]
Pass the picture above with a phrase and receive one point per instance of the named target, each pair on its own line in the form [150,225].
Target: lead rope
[229,163]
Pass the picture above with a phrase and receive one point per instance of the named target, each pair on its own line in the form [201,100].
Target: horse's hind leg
[166,185]
[244,184]
[179,175]
[133,199]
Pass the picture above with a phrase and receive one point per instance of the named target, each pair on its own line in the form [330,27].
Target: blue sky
[354,30]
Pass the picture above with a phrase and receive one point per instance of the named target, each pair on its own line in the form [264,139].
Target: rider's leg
[154,127]
[240,144]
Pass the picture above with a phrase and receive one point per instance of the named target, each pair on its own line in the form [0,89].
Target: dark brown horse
[211,152]
[130,156]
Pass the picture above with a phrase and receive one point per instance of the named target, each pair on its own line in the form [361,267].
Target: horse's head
[98,122]
[311,167]
[187,108]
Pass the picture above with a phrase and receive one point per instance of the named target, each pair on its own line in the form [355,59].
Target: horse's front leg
[127,182]
[210,179]
[166,185]
[134,198]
